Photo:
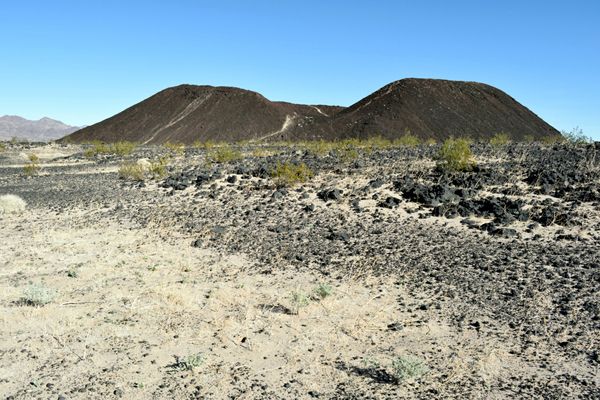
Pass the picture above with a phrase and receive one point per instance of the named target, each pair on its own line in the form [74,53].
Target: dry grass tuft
[9,203]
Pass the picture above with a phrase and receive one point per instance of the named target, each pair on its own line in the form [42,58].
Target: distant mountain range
[428,108]
[42,130]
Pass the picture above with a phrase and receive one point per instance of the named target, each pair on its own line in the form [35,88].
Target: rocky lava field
[488,278]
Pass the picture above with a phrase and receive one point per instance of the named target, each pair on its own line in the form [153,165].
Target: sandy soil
[134,311]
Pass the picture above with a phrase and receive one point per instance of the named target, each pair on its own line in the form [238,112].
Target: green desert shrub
[455,155]
[207,144]
[189,363]
[89,152]
[223,154]
[2,147]
[347,150]
[550,140]
[318,147]
[38,295]
[322,291]
[407,140]
[123,148]
[576,136]
[408,367]
[528,138]
[176,148]
[290,174]
[499,139]
[262,152]
[158,168]
[96,147]
[298,300]
[377,143]
[243,143]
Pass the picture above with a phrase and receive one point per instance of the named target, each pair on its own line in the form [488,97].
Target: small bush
[528,139]
[177,148]
[2,147]
[123,148]
[576,136]
[97,147]
[377,143]
[223,154]
[298,301]
[243,143]
[132,171]
[38,295]
[322,291]
[142,169]
[550,140]
[9,203]
[89,153]
[33,167]
[189,363]
[207,144]
[318,147]
[289,174]
[261,152]
[430,142]
[158,169]
[347,150]
[407,140]
[408,367]
[455,155]
[500,139]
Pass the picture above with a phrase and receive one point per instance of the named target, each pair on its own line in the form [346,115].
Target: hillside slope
[428,108]
[187,113]
[432,108]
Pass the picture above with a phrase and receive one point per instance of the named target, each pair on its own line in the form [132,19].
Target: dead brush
[33,167]
[132,171]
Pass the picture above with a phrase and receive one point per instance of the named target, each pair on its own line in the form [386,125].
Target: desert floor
[236,289]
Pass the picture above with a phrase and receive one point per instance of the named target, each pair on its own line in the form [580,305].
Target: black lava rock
[330,194]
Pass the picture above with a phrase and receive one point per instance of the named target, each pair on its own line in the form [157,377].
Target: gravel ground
[489,278]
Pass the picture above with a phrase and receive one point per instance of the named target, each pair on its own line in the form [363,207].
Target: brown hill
[432,108]
[187,113]
[427,108]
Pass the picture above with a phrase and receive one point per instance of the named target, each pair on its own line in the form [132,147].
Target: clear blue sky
[83,61]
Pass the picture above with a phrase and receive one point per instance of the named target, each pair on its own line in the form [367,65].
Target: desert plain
[375,275]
